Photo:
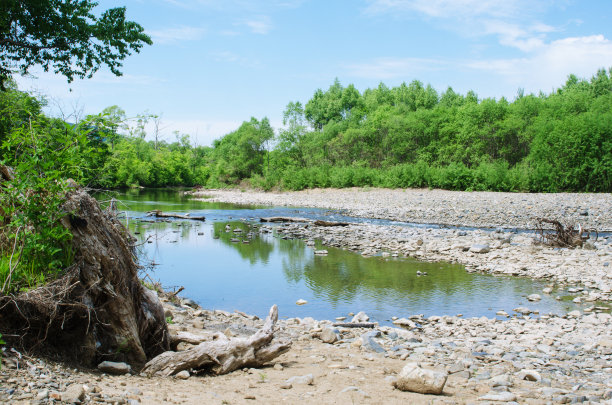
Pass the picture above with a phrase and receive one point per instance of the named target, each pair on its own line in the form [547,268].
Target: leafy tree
[64,35]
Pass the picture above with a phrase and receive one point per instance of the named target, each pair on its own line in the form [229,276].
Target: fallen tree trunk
[224,355]
[160,214]
[283,219]
[356,325]
[329,223]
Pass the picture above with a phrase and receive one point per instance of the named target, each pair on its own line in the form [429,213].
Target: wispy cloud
[514,22]
[258,25]
[231,57]
[550,66]
[455,9]
[177,34]
[391,68]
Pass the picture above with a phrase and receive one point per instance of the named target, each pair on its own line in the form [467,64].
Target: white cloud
[177,34]
[513,22]
[390,68]
[259,25]
[231,57]
[455,9]
[549,66]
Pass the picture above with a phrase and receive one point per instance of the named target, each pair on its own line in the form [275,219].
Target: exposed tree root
[98,309]
[224,355]
[560,235]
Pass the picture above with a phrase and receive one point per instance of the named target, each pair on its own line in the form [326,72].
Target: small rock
[321,252]
[534,297]
[529,375]
[361,317]
[405,323]
[368,342]
[416,379]
[574,314]
[42,394]
[74,393]
[189,302]
[301,302]
[307,379]
[182,375]
[286,386]
[480,248]
[499,396]
[116,368]
[328,335]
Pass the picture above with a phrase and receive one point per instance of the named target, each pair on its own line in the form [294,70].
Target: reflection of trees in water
[342,276]
[257,250]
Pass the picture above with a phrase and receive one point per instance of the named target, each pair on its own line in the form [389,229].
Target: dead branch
[224,355]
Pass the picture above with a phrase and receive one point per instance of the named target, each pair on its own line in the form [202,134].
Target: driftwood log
[356,325]
[224,355]
[160,214]
[283,219]
[329,223]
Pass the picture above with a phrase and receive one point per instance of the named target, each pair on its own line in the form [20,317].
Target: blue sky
[215,64]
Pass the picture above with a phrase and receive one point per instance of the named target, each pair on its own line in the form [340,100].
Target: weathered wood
[160,214]
[330,223]
[224,355]
[356,325]
[192,338]
[283,219]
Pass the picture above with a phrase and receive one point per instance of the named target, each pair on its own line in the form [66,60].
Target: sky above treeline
[216,63]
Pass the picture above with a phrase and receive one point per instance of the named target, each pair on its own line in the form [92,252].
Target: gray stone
[307,379]
[368,342]
[301,302]
[502,380]
[328,335]
[361,317]
[529,375]
[413,378]
[480,248]
[182,375]
[498,397]
[534,297]
[190,303]
[116,368]
[73,394]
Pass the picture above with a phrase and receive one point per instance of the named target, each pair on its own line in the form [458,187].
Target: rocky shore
[524,359]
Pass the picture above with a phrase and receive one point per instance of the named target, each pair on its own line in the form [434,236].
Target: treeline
[405,136]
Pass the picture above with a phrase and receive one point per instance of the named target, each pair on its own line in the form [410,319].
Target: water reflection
[227,264]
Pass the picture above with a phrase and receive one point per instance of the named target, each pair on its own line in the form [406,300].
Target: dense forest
[405,136]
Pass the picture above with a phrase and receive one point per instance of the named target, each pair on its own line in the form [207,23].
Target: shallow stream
[229,270]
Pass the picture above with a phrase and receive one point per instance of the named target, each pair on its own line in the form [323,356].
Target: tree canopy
[65,36]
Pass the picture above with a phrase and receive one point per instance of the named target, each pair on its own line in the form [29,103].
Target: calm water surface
[220,271]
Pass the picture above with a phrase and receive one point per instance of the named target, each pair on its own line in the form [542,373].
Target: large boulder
[414,378]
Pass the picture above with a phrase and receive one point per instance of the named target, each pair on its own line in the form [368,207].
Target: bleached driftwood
[192,338]
[224,355]
[160,214]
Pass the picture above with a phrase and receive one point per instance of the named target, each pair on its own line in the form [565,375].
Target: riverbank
[522,359]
